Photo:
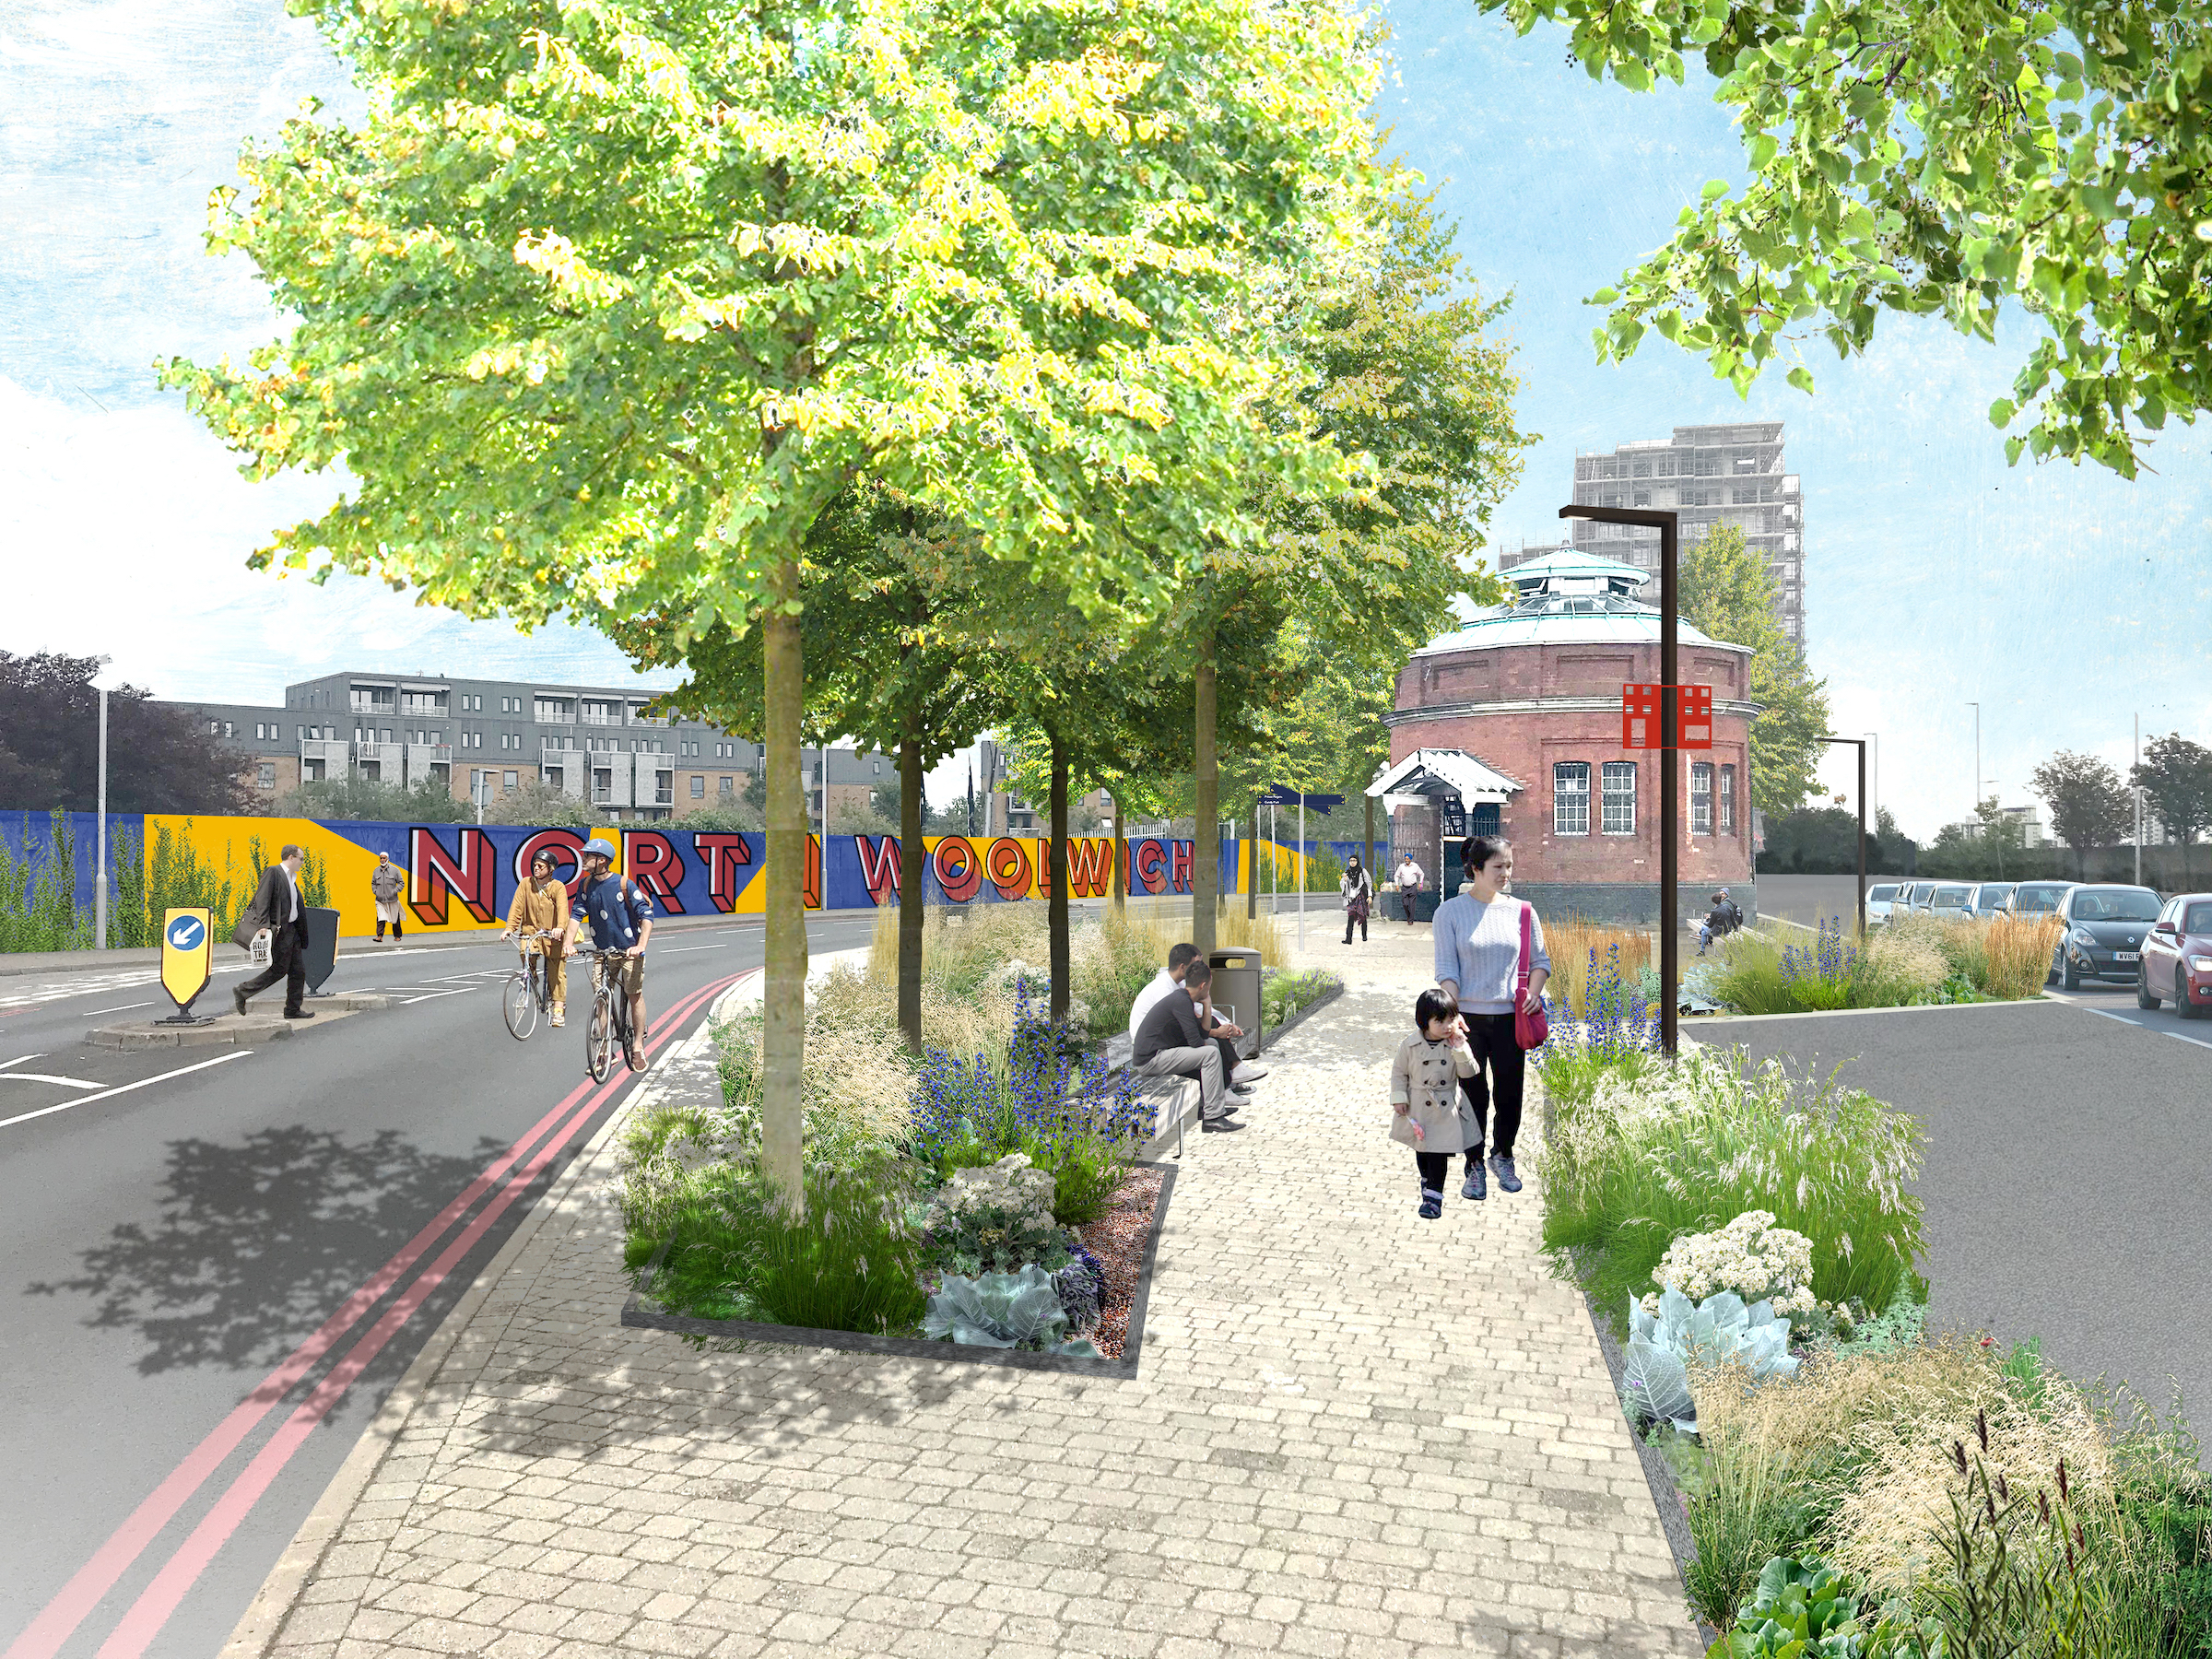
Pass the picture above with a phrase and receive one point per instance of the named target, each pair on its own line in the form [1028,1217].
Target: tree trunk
[913,885]
[1206,831]
[783,1004]
[1121,885]
[1055,863]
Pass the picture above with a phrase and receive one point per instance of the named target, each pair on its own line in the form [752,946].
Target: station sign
[1693,717]
[1640,716]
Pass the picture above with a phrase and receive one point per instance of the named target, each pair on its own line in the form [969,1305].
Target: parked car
[2105,924]
[2037,897]
[1990,897]
[1953,900]
[1912,895]
[1879,898]
[2177,956]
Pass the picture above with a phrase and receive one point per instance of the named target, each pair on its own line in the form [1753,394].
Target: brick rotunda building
[1512,724]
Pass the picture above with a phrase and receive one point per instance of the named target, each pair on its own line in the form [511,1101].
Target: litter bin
[1236,993]
[322,946]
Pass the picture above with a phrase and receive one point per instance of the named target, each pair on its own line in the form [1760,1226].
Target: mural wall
[464,876]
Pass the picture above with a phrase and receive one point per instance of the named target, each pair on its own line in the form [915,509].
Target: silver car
[1879,898]
[1952,900]
[1991,898]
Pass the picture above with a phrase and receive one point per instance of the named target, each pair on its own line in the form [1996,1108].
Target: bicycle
[529,990]
[607,1031]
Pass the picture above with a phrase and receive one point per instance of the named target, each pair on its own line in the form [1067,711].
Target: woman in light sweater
[1477,961]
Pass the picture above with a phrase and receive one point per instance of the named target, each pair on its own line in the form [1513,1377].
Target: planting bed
[1126,1241]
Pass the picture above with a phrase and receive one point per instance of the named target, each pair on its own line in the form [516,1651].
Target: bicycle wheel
[598,1041]
[520,1004]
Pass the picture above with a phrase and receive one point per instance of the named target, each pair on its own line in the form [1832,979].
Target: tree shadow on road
[258,1243]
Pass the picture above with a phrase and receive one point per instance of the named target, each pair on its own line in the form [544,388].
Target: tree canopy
[1940,158]
[159,757]
[2175,776]
[1726,589]
[2089,808]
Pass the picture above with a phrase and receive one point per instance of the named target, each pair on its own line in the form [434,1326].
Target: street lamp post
[99,833]
[1860,744]
[1976,802]
[1670,755]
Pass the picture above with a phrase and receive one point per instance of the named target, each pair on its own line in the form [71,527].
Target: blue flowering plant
[1618,1035]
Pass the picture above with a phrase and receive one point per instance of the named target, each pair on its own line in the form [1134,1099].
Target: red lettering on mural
[960,872]
[724,855]
[1090,866]
[1179,869]
[1149,857]
[434,874]
[879,866]
[648,858]
[810,891]
[566,846]
[1009,867]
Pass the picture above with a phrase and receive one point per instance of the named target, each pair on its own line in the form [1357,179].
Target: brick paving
[1355,1433]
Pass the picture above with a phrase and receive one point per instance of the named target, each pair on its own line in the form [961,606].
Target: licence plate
[2126,956]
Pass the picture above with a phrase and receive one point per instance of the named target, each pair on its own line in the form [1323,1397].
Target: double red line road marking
[76,1600]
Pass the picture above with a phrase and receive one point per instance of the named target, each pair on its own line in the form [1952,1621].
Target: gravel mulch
[1117,1239]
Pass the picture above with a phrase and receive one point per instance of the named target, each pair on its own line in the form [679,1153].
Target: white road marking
[2199,1041]
[118,1008]
[122,1088]
[18,1060]
[16,1076]
[433,995]
[686,949]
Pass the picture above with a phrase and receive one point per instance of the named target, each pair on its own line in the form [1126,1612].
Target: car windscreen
[1951,895]
[1876,894]
[2034,898]
[1992,894]
[2115,905]
[2197,919]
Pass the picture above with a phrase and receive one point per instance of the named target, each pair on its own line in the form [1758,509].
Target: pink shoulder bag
[1531,1025]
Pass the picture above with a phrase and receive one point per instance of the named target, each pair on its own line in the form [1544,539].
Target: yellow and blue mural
[464,876]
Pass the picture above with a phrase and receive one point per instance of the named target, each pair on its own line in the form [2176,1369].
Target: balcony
[594,717]
[364,704]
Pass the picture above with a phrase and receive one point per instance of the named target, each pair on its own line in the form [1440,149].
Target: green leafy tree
[1940,158]
[2175,776]
[1725,589]
[604,305]
[2089,808]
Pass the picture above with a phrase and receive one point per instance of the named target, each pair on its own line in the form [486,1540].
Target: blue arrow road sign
[185,933]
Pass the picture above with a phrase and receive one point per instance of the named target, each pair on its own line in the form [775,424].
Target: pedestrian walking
[384,885]
[1426,1112]
[1409,878]
[1359,890]
[277,912]
[541,906]
[1490,957]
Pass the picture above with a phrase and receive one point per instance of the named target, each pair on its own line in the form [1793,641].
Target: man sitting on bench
[1170,1044]
[1240,1074]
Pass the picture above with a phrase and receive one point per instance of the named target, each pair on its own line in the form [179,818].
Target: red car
[2177,956]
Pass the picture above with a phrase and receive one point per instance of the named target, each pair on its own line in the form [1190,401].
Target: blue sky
[2063,599]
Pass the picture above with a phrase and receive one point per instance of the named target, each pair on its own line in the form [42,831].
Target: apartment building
[1709,474]
[481,738]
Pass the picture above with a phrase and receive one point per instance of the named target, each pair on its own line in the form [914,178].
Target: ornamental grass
[1687,1149]
[1582,953]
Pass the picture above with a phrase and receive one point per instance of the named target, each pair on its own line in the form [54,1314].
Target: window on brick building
[1620,797]
[1571,798]
[699,787]
[725,786]
[1727,800]
[1700,797]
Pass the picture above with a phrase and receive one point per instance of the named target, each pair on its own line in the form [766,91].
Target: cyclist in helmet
[620,914]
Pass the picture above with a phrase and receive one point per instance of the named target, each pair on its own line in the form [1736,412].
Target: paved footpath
[1355,1433]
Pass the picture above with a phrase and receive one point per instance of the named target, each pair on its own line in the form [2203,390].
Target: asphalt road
[175,1396]
[2069,1143]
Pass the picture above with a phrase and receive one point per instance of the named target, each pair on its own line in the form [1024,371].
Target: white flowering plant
[1750,1257]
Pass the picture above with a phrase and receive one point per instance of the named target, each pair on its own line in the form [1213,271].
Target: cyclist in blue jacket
[620,913]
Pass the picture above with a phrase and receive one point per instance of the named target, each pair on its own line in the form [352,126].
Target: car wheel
[2068,980]
[2144,999]
[2183,1006]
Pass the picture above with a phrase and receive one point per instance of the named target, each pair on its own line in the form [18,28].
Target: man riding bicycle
[541,907]
[620,913]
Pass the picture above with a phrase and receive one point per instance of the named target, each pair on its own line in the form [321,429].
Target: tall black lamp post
[1860,744]
[1670,755]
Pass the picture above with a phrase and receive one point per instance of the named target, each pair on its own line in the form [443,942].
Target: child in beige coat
[1426,1114]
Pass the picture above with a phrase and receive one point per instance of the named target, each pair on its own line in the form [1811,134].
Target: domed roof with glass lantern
[1569,598]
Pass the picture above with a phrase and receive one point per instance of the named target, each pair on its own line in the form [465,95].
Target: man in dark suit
[278,911]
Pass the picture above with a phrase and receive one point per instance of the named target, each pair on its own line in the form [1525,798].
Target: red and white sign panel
[1639,717]
[1694,716]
